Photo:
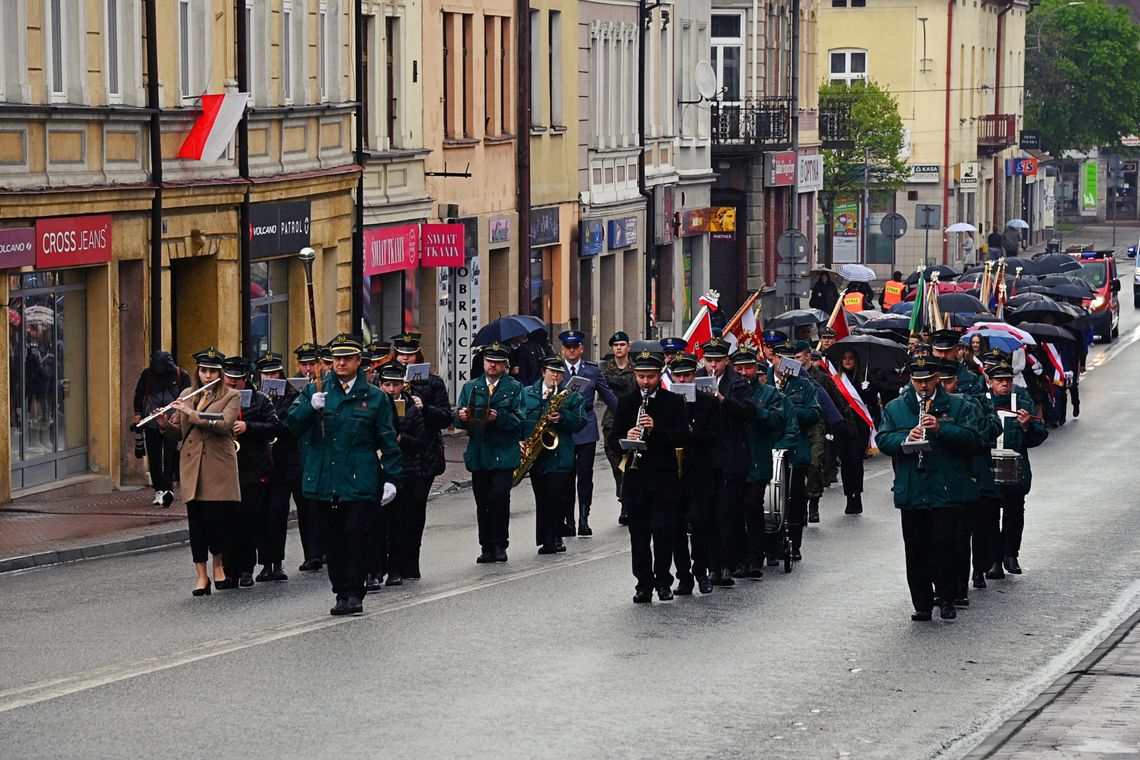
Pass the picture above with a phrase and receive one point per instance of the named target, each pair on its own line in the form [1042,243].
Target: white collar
[350,383]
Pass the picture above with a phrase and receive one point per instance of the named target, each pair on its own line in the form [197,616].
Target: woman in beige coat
[208,464]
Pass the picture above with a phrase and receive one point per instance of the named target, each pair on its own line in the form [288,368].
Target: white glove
[389,494]
[1069,376]
[865,385]
[317,401]
[1037,368]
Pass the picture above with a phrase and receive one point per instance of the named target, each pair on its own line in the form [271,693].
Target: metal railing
[997,131]
[752,122]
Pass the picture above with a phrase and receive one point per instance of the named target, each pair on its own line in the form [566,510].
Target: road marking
[1104,358]
[44,691]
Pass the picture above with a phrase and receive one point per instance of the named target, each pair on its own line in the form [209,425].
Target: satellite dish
[705,79]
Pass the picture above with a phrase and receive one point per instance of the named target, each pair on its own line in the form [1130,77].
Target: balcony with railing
[752,123]
[836,128]
[996,132]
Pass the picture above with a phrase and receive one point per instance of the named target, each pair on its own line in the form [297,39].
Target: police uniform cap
[306,352]
[325,353]
[572,338]
[211,358]
[270,362]
[685,363]
[621,336]
[826,332]
[802,345]
[744,355]
[772,337]
[235,366]
[921,349]
[1000,370]
[924,368]
[993,356]
[785,348]
[346,345]
[950,367]
[944,340]
[553,362]
[496,352]
[715,349]
[406,342]
[391,371]
[649,360]
[671,345]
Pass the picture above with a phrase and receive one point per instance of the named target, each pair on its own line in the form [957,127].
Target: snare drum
[776,496]
[1005,464]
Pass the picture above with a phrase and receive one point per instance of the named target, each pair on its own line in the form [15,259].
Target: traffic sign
[792,269]
[792,245]
[926,216]
[797,288]
[893,226]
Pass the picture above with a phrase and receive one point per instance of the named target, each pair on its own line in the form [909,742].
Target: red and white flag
[212,132]
[848,390]
[700,331]
[744,328]
[838,321]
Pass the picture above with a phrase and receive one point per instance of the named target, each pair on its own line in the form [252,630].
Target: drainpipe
[522,151]
[155,106]
[999,183]
[643,18]
[356,310]
[244,242]
[946,163]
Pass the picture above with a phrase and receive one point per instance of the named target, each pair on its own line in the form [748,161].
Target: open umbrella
[961,227]
[1027,296]
[944,273]
[966,320]
[1075,292]
[1002,327]
[529,322]
[856,318]
[887,322]
[1048,263]
[1018,224]
[856,273]
[502,330]
[962,303]
[1012,263]
[873,352]
[1060,280]
[1046,332]
[796,318]
[996,339]
[1036,311]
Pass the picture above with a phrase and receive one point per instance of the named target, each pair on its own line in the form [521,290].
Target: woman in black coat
[158,385]
[824,294]
[855,433]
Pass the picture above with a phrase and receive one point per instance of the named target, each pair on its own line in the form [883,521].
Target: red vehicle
[1098,269]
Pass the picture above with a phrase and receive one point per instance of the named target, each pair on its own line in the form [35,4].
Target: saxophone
[544,438]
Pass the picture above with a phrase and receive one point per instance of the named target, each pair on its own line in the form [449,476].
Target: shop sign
[500,229]
[458,309]
[722,222]
[920,173]
[663,213]
[809,173]
[444,245]
[969,174]
[779,168]
[592,237]
[73,241]
[1020,167]
[622,233]
[278,228]
[694,221]
[17,247]
[544,226]
[390,249]
[845,232]
[1089,189]
[1030,140]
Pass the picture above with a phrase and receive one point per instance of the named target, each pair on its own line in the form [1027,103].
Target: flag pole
[740,314]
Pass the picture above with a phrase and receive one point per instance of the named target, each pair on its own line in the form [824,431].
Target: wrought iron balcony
[836,130]
[739,126]
[996,131]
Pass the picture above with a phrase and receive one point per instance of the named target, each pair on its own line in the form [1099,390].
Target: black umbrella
[796,318]
[502,330]
[1013,262]
[962,303]
[965,320]
[1060,280]
[1046,332]
[873,352]
[1036,311]
[944,273]
[856,318]
[1027,297]
[887,322]
[1076,292]
[1048,263]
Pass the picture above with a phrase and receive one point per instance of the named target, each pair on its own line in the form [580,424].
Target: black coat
[824,295]
[656,473]
[158,385]
[285,451]
[731,453]
[262,426]
[436,416]
[704,433]
[414,441]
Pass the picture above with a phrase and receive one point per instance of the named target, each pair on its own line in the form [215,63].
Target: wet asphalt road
[547,657]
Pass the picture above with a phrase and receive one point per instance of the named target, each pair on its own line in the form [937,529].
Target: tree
[1081,89]
[875,139]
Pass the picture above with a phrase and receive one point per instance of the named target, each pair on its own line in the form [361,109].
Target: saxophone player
[551,473]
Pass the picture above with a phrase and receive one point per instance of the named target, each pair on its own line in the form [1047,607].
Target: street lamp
[1043,18]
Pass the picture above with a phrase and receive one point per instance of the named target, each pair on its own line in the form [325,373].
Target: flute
[135,426]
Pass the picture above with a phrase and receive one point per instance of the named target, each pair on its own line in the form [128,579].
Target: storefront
[278,233]
[607,301]
[390,304]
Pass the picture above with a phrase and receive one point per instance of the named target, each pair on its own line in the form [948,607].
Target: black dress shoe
[979,580]
[547,549]
[310,566]
[394,579]
[754,571]
[704,585]
[372,584]
[947,611]
[339,608]
[623,518]
[228,583]
[486,557]
[726,578]
[796,556]
[1076,408]
[684,588]
[264,576]
[500,554]
[559,546]
[246,580]
[995,572]
[643,596]
[740,571]
[568,528]
[920,616]
[665,594]
[277,574]
[584,528]
[352,606]
[962,601]
[813,510]
[1012,566]
[206,590]
[715,578]
[858,503]
[773,560]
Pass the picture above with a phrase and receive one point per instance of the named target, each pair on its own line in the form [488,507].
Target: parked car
[1098,268]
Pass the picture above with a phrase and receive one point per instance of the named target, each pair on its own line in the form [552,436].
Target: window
[728,53]
[847,66]
[269,302]
[536,109]
[323,50]
[56,57]
[555,68]
[665,71]
[458,75]
[449,121]
[391,80]
[491,63]
[844,3]
[251,56]
[506,103]
[111,40]
[468,75]
[287,51]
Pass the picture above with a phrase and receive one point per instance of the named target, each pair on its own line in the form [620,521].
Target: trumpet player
[550,475]
[650,486]
[931,484]
[490,409]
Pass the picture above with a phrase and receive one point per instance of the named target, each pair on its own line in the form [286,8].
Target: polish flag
[700,331]
[212,132]
[744,328]
[838,321]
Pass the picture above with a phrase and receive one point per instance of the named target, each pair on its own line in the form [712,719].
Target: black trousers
[246,529]
[652,527]
[706,505]
[930,538]
[730,521]
[852,448]
[492,491]
[378,529]
[754,494]
[700,514]
[308,524]
[614,458]
[273,523]
[983,555]
[682,559]
[412,523]
[209,526]
[583,477]
[162,459]
[1005,524]
[967,515]
[345,528]
[797,504]
[552,491]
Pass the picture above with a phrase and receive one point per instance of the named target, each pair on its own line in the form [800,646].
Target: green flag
[919,304]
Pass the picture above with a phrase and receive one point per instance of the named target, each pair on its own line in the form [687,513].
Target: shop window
[269,302]
[390,302]
[47,376]
[540,284]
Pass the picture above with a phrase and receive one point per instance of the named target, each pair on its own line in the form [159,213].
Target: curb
[1008,730]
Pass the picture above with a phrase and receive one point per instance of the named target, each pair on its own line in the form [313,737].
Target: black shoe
[486,557]
[559,546]
[245,580]
[773,560]
[584,528]
[995,572]
[962,602]
[228,583]
[726,578]
[352,606]
[372,584]
[643,596]
[1076,408]
[500,554]
[740,571]
[684,588]
[920,616]
[715,578]
[979,580]
[704,585]
[568,528]
[1012,566]
[206,591]
[547,549]
[623,518]
[168,497]
[858,503]
[796,556]
[813,510]
[394,579]
[339,608]
[310,566]
[264,576]
[947,611]
[665,594]
[754,571]
[850,509]
[277,574]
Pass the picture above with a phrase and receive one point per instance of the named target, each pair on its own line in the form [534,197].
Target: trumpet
[924,402]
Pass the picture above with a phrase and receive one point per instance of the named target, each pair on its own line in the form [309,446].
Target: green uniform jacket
[970,383]
[493,445]
[1021,440]
[573,413]
[343,463]
[948,480]
[805,405]
[772,410]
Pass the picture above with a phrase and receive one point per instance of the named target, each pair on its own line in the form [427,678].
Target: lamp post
[1045,17]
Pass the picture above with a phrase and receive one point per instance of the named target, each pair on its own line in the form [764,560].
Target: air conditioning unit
[449,211]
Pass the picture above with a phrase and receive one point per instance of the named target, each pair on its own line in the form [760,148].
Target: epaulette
[589,363]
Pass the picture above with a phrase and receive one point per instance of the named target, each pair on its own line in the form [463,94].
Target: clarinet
[636,457]
[923,408]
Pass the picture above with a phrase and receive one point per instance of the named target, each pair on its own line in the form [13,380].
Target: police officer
[491,409]
[550,475]
[826,338]
[929,487]
[657,417]
[351,456]
[284,474]
[586,439]
[308,517]
[256,425]
[761,434]
[671,348]
[618,371]
[800,391]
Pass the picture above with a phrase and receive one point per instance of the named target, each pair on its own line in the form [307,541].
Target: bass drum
[776,497]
